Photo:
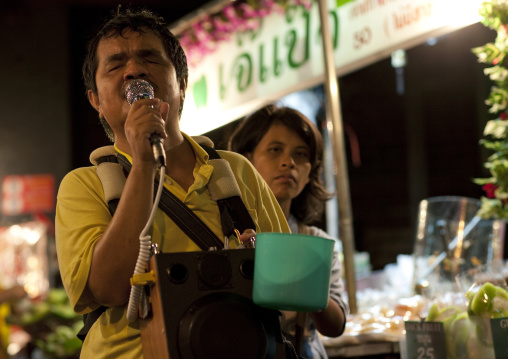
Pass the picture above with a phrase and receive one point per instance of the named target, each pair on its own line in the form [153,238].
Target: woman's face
[283,160]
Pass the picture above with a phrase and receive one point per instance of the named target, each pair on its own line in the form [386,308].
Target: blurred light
[24,234]
[459,13]
[13,348]
[304,101]
[399,58]
[432,41]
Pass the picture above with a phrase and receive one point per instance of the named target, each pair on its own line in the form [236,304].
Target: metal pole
[336,135]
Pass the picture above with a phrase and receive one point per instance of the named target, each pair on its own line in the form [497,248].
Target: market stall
[282,54]
[35,319]
[261,55]
[240,65]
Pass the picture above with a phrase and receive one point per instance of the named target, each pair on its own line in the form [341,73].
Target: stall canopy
[245,54]
[233,73]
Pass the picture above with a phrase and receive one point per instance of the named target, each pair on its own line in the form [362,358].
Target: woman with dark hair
[287,150]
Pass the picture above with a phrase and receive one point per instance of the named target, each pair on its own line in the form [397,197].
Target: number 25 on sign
[425,340]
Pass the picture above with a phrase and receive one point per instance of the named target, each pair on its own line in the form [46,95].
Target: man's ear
[93,98]
[183,88]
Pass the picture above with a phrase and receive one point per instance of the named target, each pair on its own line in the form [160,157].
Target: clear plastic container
[451,239]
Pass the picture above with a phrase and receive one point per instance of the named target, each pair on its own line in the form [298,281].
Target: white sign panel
[285,54]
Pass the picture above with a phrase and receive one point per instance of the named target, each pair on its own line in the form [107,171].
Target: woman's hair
[308,206]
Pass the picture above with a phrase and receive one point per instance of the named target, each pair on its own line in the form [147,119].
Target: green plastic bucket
[292,271]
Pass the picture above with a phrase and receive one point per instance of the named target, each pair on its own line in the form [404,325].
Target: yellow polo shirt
[82,216]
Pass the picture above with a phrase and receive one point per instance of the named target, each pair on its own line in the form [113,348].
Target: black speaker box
[202,302]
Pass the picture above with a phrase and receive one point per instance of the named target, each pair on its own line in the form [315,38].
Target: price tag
[499,328]
[425,340]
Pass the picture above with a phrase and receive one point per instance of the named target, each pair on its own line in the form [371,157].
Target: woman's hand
[248,238]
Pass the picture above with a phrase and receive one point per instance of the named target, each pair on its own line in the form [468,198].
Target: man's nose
[134,70]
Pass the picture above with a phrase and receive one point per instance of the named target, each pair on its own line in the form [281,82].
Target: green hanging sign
[343,2]
[285,53]
[499,327]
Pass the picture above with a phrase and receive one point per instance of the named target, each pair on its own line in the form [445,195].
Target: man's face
[124,58]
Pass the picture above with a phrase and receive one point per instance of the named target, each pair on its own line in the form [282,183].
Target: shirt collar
[201,154]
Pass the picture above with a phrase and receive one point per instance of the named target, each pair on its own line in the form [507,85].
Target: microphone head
[137,90]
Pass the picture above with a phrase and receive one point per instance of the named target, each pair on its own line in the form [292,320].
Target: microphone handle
[158,149]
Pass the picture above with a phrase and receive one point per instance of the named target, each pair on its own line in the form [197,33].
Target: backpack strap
[111,174]
[113,178]
[225,191]
[88,320]
[188,222]
[112,169]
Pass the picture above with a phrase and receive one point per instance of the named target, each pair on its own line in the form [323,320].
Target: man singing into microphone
[97,251]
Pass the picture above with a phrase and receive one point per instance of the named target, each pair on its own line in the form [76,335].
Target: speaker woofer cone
[222,323]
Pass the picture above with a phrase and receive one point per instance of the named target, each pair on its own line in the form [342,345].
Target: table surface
[385,350]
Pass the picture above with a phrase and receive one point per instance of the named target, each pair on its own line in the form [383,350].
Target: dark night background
[420,144]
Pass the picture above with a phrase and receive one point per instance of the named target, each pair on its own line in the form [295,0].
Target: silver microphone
[140,89]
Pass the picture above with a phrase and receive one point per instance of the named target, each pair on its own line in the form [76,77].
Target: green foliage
[52,325]
[62,342]
[494,15]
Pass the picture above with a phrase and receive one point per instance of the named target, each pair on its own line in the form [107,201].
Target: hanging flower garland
[204,37]
[494,15]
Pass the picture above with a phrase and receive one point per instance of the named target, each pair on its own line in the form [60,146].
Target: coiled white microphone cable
[145,243]
[141,89]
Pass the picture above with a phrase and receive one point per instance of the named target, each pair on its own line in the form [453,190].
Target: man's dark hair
[308,206]
[139,21]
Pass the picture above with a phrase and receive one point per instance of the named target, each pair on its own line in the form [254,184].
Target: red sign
[28,194]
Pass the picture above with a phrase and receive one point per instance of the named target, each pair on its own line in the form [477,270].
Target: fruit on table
[445,315]
[468,333]
[488,302]
[458,335]
[448,316]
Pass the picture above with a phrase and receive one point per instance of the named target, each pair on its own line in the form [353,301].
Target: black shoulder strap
[233,212]
[88,320]
[188,222]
